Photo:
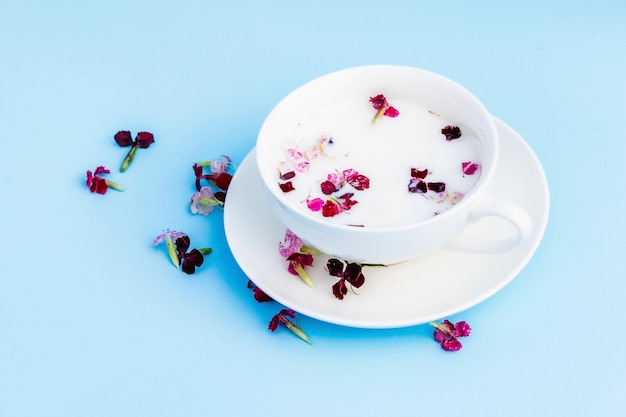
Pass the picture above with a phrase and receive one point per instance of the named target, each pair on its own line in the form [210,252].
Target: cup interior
[338,106]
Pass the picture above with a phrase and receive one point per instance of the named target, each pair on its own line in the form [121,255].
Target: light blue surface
[94,321]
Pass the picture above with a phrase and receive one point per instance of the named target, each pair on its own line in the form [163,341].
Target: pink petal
[391,112]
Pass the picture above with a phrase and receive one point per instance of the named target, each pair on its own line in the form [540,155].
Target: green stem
[305,277]
[114,185]
[129,158]
[205,251]
[209,201]
[309,249]
[379,114]
[297,331]
[171,249]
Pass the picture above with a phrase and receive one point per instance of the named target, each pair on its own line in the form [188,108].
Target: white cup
[339,103]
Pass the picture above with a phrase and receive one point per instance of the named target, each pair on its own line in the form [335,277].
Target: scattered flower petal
[169,236]
[124,139]
[291,244]
[204,202]
[447,334]
[259,294]
[281,318]
[451,132]
[286,186]
[192,259]
[99,185]
[469,168]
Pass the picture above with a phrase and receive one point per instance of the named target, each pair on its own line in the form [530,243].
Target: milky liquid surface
[385,152]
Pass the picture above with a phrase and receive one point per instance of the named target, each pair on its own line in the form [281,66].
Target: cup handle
[489,206]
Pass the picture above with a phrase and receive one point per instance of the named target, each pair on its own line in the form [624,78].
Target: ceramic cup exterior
[398,243]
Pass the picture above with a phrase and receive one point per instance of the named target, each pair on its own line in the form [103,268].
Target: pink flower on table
[204,201]
[217,166]
[169,236]
[282,318]
[447,334]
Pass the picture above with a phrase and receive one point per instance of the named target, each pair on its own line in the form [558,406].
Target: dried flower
[169,236]
[204,201]
[352,274]
[192,259]
[334,183]
[259,294]
[208,197]
[447,334]
[297,263]
[124,139]
[383,108]
[281,318]
[299,255]
[451,132]
[99,185]
[469,168]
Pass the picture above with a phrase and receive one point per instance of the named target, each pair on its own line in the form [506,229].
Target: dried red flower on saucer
[350,273]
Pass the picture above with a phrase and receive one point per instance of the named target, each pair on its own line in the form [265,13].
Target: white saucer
[406,294]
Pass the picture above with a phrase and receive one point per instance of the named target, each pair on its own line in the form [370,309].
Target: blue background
[94,321]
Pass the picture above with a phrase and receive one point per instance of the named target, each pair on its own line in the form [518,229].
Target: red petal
[286,186]
[340,289]
[354,275]
[391,112]
[144,139]
[182,244]
[223,180]
[335,267]
[123,138]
